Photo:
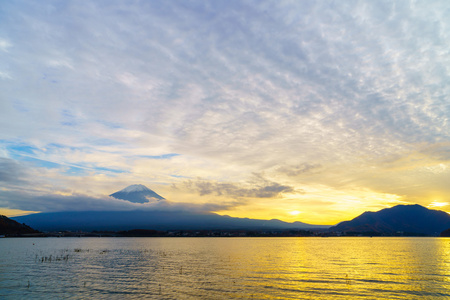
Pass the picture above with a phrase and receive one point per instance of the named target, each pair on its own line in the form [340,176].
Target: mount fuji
[155,219]
[137,193]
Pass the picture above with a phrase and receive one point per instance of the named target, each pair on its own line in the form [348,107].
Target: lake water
[224,268]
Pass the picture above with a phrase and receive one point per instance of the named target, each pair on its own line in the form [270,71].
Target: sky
[311,111]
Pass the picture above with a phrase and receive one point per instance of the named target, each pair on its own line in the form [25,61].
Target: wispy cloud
[261,189]
[28,201]
[299,169]
[11,171]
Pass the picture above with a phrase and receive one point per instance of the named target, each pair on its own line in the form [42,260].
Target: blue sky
[299,110]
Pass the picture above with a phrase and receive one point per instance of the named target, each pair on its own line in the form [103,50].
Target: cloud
[54,202]
[438,151]
[29,201]
[299,169]
[4,45]
[222,80]
[261,189]
[11,171]
[224,90]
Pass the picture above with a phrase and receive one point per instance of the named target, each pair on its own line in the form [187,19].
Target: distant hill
[137,193]
[10,227]
[445,233]
[156,220]
[410,219]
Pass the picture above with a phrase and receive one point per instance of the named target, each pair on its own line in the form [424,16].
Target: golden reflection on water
[364,267]
[226,268]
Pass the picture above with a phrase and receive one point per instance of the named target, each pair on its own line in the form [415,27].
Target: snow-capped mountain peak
[135,188]
[137,193]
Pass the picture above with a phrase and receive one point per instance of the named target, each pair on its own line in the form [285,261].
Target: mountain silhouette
[137,193]
[11,227]
[162,219]
[157,220]
[445,233]
[412,219]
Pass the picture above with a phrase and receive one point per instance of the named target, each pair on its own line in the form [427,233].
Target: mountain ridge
[412,218]
[156,219]
[9,226]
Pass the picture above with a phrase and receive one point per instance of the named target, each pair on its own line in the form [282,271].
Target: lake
[224,268]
